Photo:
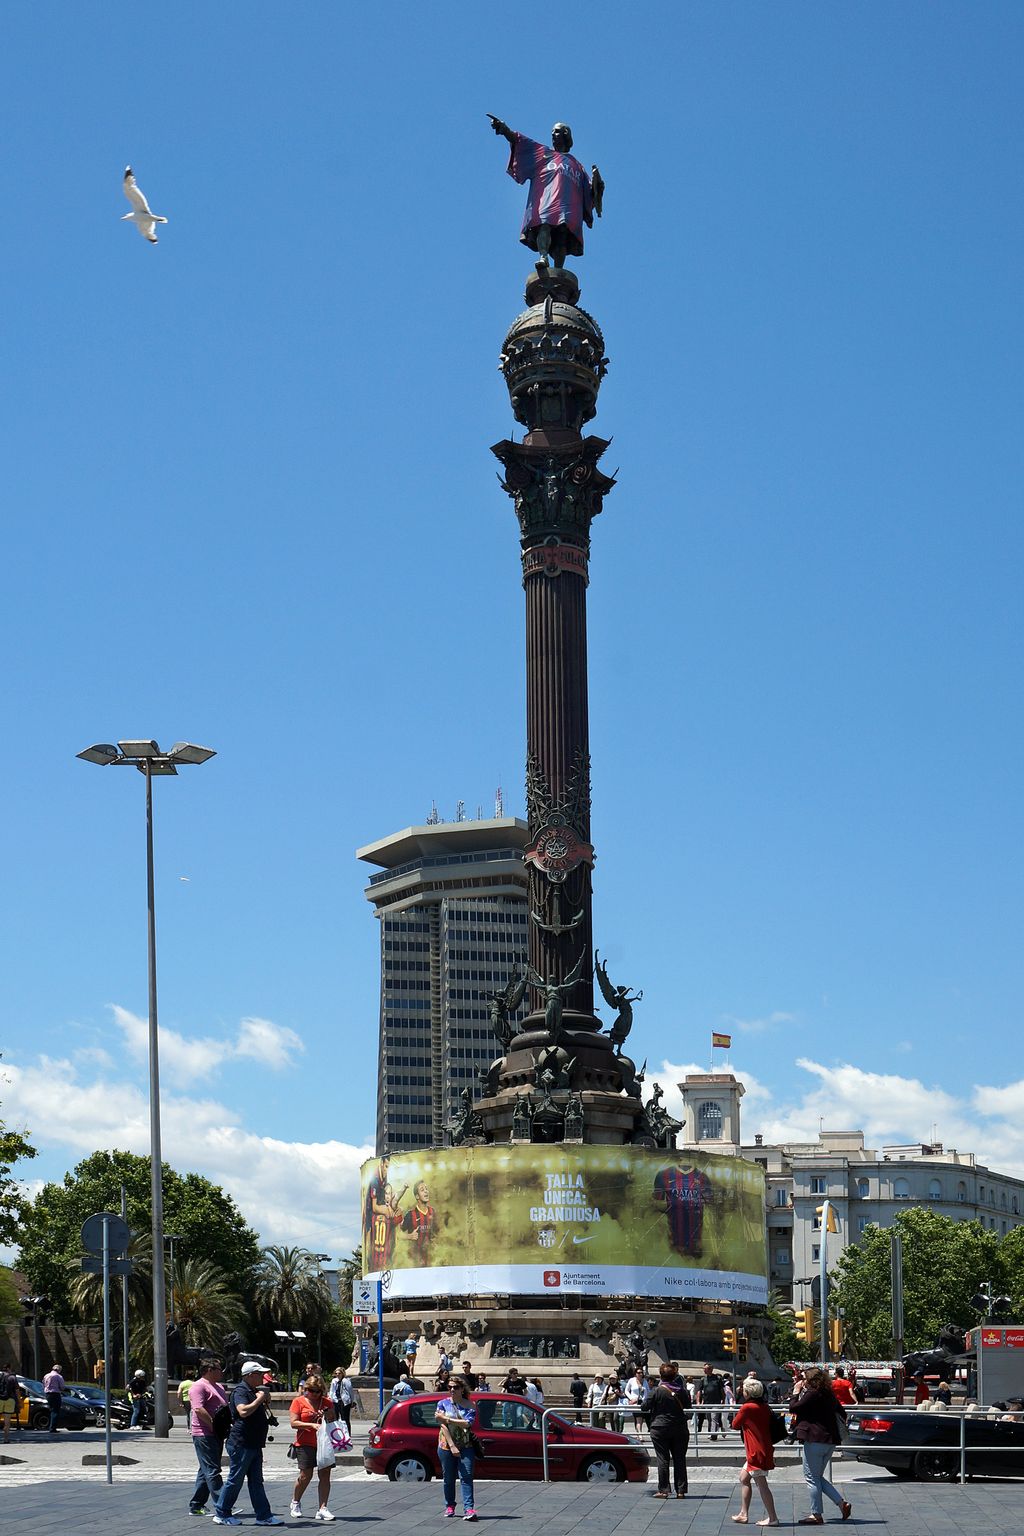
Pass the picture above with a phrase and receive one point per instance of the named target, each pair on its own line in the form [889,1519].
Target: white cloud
[290,1191]
[768,1022]
[272,1044]
[183,1060]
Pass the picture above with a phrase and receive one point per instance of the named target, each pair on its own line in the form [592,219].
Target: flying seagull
[145,221]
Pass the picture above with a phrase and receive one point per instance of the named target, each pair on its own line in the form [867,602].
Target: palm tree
[87,1290]
[205,1308]
[288,1289]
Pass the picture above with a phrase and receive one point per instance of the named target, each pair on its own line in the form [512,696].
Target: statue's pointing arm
[502,128]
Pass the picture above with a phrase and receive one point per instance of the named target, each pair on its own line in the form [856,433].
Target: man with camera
[250,1420]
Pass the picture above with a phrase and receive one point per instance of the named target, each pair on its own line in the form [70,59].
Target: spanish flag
[724,1041]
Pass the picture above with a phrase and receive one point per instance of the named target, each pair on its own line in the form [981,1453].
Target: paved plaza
[47,1490]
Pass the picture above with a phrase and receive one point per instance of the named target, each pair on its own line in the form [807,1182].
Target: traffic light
[741,1353]
[730,1341]
[835,1335]
[831,1222]
[803,1321]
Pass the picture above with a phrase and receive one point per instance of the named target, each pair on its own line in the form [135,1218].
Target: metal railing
[721,1411]
[956,1446]
[599,1445]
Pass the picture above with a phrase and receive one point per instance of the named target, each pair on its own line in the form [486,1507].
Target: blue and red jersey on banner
[685,1192]
[560,191]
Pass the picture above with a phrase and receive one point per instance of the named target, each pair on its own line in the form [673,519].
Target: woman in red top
[754,1422]
[306,1412]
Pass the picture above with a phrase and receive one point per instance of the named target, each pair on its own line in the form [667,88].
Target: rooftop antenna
[499,804]
[460,810]
[479,813]
[433,818]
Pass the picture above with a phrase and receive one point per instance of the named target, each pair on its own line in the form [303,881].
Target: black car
[927,1445]
[35,1410]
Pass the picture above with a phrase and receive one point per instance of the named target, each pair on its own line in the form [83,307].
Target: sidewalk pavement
[363,1505]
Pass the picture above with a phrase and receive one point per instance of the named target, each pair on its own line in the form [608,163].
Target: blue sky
[250,503]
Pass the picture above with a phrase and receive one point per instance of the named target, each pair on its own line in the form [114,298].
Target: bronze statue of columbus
[562,197]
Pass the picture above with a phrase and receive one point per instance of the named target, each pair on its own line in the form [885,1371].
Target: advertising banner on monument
[576,1219]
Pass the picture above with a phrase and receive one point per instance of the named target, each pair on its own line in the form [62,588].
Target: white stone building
[865,1187]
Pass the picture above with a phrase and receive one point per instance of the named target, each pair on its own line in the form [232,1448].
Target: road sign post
[102,1236]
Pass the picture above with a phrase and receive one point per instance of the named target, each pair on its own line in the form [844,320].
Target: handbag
[325,1452]
[777,1428]
[340,1438]
[222,1422]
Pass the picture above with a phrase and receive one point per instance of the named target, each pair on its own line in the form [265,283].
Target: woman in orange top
[307,1411]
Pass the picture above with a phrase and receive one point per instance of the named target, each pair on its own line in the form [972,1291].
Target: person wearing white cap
[248,1436]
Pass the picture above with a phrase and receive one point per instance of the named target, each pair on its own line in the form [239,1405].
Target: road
[45,1489]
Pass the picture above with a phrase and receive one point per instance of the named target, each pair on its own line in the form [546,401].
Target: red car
[403,1445]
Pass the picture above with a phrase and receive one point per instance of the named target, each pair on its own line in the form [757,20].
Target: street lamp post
[319,1259]
[170,1238]
[147,757]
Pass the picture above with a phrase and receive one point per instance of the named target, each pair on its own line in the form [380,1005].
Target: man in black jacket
[248,1436]
[711,1391]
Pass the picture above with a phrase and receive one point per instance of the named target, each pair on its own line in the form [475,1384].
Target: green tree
[10,1308]
[1011,1275]
[206,1308]
[338,1338]
[288,1290]
[14,1148]
[207,1220]
[782,1341]
[944,1262]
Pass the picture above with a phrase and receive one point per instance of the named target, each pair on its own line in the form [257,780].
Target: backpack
[777,1428]
[9,1387]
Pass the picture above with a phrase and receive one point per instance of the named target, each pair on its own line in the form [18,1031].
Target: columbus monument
[557,1062]
[559,1115]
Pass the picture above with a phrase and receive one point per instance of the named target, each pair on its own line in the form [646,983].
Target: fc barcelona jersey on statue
[560,191]
[685,1192]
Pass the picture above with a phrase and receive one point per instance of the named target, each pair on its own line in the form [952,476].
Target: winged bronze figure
[554,991]
[621,1000]
[504,1005]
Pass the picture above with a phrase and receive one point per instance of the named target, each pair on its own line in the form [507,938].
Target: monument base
[556,1340]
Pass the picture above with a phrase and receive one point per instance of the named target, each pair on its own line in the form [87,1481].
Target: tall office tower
[451,902]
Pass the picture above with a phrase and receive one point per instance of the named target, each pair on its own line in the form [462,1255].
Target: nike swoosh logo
[583,1239]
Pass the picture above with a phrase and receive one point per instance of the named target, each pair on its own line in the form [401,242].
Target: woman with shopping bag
[312,1414]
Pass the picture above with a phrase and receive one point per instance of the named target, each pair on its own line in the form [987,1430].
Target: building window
[782,1255]
[935,1190]
[1016,1205]
[901,1189]
[863,1222]
[991,1197]
[961,1191]
[709,1122]
[815,1253]
[863,1189]
[816,1223]
[781,1198]
[1002,1199]
[981,1191]
[819,1186]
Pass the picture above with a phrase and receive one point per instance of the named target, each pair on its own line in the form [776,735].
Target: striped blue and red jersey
[685,1192]
[560,191]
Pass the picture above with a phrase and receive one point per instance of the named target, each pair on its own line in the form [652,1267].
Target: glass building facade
[451,903]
